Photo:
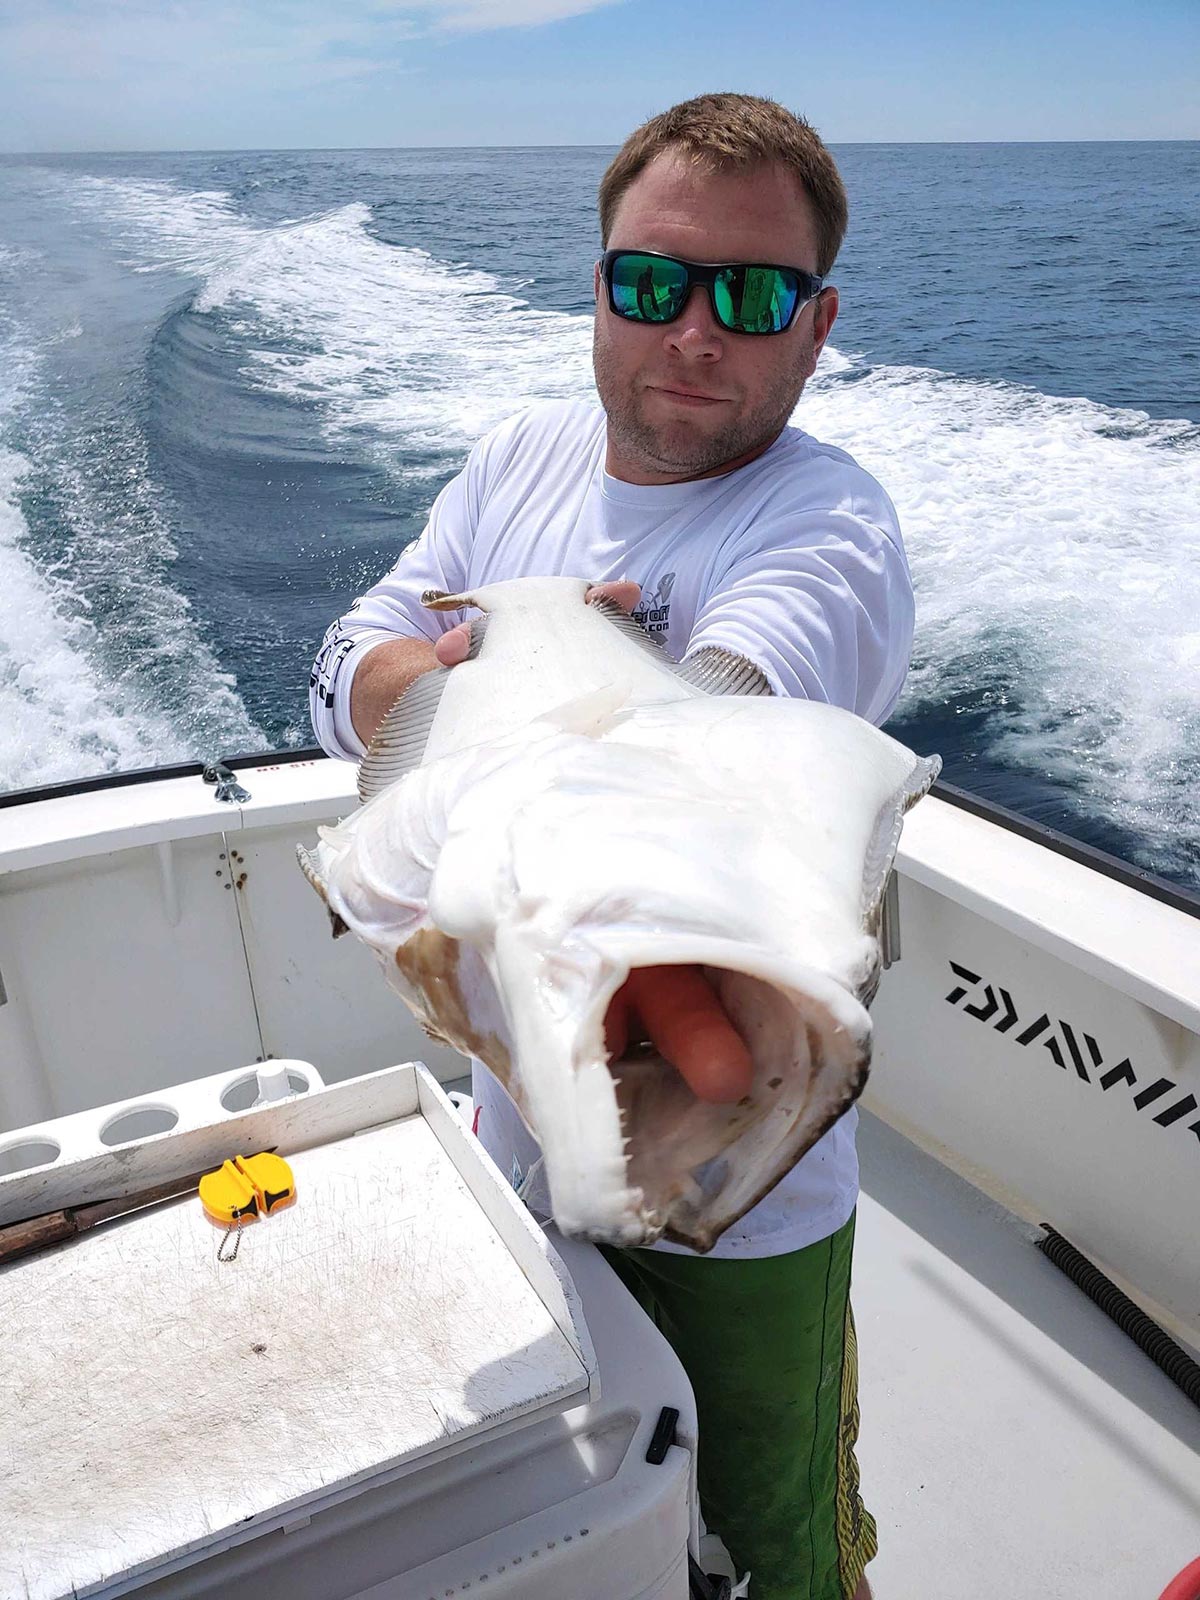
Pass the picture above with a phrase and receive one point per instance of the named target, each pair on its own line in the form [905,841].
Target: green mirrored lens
[647,289]
[755,299]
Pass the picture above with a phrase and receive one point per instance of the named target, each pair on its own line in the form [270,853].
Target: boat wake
[1055,543]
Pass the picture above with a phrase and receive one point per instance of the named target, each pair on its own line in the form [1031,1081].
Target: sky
[280,74]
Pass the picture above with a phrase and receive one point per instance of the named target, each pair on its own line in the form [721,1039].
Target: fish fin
[885,839]
[716,670]
[310,867]
[712,670]
[631,628]
[400,739]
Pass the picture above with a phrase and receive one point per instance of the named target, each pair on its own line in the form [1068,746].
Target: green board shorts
[768,1344]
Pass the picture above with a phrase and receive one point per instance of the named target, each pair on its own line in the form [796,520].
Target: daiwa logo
[1069,1048]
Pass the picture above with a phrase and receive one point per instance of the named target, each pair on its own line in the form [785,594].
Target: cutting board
[159,1403]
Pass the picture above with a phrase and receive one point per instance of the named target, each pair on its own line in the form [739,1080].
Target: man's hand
[622,591]
[676,1008]
[452,647]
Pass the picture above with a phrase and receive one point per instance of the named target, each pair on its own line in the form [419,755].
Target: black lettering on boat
[1070,1047]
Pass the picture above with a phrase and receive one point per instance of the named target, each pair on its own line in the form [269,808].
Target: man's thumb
[622,592]
[453,645]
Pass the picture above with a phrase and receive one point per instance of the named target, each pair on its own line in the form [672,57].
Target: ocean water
[231,385]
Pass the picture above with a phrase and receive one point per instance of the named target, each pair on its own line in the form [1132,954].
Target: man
[719,220]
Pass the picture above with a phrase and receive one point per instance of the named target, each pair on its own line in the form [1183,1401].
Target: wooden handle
[52,1227]
[35,1233]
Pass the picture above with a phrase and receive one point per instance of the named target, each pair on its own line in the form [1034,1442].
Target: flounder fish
[570,805]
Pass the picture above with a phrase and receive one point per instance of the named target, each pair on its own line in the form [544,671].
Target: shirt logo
[653,610]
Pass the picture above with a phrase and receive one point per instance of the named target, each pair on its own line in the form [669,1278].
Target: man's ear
[824,317]
[596,282]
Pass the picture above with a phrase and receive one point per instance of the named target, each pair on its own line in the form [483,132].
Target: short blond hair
[736,131]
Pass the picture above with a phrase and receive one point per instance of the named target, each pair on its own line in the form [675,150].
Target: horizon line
[317,149]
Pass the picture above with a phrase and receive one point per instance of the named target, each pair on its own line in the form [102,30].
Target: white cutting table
[159,1404]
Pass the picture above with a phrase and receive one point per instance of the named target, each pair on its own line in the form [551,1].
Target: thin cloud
[476,16]
[305,41]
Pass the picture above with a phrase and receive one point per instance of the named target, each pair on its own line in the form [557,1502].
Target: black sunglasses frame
[704,275]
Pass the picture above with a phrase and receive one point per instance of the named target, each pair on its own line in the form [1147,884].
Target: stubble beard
[682,449]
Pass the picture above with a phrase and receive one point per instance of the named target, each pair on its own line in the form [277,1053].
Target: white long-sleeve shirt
[794,561]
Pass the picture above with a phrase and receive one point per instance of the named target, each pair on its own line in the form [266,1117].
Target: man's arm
[370,656]
[386,672]
[382,677]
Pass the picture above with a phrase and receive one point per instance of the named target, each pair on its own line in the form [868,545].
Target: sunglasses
[745,297]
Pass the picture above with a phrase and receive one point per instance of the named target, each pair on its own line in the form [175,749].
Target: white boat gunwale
[1146,882]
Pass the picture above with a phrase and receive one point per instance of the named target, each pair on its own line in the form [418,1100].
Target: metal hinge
[228,788]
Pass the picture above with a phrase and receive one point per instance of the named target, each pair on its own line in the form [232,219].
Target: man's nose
[695,332]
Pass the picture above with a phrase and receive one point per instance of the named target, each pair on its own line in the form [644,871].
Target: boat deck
[1015,1444]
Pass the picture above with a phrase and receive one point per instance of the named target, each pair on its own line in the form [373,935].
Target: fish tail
[439,600]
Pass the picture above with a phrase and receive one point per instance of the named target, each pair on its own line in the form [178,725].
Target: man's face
[688,399]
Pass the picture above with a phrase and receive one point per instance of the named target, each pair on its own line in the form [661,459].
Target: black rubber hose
[1145,1333]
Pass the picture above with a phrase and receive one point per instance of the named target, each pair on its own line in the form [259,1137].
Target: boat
[1034,1104]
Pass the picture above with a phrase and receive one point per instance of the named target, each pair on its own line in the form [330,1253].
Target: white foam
[56,717]
[63,714]
[1055,548]
[64,711]
[48,695]
[164,227]
[392,345]
[1055,543]
[395,342]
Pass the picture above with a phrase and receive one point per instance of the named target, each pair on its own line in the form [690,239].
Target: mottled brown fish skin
[430,962]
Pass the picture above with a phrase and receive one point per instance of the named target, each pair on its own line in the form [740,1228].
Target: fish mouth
[632,1154]
[693,1167]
